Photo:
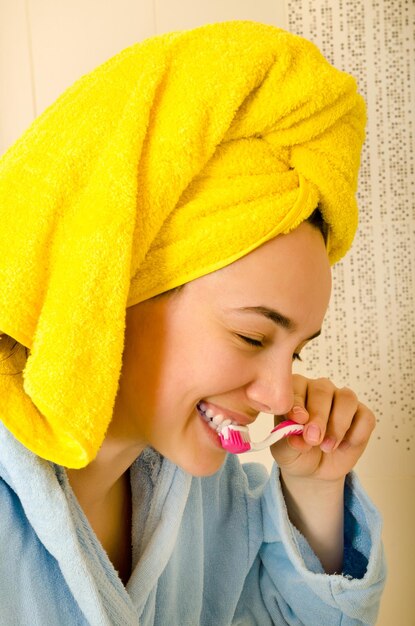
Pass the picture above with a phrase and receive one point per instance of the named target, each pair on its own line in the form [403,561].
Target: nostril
[259,407]
[279,407]
[275,396]
[264,408]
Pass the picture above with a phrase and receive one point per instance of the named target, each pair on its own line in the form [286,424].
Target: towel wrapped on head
[173,159]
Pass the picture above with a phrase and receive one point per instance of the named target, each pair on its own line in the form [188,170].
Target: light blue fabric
[206,551]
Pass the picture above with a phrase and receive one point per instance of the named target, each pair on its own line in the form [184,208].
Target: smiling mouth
[215,421]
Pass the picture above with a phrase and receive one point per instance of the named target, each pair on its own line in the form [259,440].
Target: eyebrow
[278,318]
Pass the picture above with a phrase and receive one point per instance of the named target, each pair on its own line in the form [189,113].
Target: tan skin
[208,342]
[107,505]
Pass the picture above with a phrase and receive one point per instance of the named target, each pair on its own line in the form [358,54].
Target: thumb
[298,413]
[287,450]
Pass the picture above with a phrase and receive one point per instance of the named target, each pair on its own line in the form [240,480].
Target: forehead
[286,259]
[290,273]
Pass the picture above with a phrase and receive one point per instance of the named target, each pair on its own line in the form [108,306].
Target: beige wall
[369,337]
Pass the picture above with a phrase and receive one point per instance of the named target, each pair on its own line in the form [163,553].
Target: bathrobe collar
[60,524]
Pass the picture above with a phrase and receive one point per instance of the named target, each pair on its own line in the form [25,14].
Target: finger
[293,442]
[287,450]
[320,393]
[298,412]
[291,447]
[343,410]
[360,430]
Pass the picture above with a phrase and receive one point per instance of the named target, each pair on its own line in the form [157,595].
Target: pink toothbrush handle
[236,439]
[285,423]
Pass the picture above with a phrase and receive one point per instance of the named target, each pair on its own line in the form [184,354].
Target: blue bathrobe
[206,551]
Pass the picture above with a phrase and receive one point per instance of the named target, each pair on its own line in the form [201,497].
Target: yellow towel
[176,157]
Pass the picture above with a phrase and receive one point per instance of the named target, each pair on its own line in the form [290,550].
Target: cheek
[172,366]
[192,370]
[215,366]
[141,373]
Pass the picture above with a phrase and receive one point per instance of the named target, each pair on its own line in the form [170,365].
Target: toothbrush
[236,439]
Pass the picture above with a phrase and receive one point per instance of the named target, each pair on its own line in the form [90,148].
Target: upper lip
[242,420]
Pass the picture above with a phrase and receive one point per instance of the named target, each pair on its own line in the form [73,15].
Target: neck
[96,481]
[104,493]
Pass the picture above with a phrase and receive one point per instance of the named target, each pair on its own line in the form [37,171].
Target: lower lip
[209,431]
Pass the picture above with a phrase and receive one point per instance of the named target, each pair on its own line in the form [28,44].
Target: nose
[271,391]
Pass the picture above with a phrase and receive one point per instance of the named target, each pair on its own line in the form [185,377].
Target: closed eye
[256,343]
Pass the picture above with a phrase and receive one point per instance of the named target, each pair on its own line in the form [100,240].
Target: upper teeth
[216,422]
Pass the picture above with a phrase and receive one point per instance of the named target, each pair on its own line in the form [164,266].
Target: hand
[337,430]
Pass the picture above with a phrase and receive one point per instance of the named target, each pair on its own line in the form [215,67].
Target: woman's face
[226,340]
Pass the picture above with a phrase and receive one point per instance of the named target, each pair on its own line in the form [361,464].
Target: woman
[175,215]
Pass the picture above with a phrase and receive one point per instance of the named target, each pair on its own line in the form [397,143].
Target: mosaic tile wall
[369,336]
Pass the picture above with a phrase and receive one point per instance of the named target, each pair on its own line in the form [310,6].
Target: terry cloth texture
[206,551]
[176,157]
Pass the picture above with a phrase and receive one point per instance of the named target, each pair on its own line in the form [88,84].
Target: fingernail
[328,444]
[313,433]
[299,409]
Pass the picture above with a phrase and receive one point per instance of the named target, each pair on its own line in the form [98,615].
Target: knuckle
[348,394]
[299,380]
[370,419]
[323,385]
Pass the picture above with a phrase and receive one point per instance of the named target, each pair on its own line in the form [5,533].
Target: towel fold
[174,158]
